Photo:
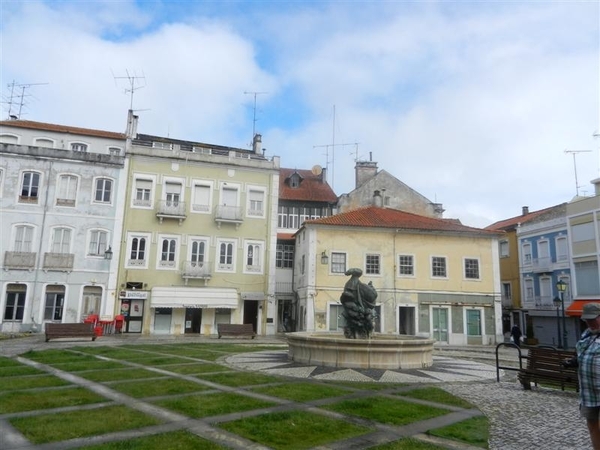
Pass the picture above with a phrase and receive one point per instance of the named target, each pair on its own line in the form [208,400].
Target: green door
[440,324]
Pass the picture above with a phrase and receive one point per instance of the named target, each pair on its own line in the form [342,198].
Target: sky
[484,107]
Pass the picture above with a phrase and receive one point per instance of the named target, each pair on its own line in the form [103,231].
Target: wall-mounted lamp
[108,253]
[324,258]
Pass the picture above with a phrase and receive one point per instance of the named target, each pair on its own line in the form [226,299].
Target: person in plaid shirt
[588,363]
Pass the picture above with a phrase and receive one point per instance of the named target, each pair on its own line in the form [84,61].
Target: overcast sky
[472,104]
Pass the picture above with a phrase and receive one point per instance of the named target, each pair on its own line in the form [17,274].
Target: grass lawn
[155,388]
[293,430]
[437,395]
[11,402]
[302,391]
[96,364]
[30,382]
[69,425]
[55,356]
[112,352]
[474,431]
[238,379]
[198,406]
[196,368]
[5,362]
[408,444]
[21,369]
[386,410]
[118,374]
[176,440]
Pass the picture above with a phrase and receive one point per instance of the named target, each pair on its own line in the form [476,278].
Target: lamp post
[557,303]
[562,286]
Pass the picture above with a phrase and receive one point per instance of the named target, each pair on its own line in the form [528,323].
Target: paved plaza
[520,420]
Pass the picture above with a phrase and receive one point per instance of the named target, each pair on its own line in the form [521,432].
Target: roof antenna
[132,78]
[18,99]
[574,152]
[255,93]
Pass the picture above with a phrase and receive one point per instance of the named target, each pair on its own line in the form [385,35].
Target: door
[406,317]
[162,320]
[132,312]
[193,319]
[251,313]
[440,324]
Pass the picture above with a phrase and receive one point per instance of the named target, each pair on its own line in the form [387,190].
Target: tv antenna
[255,93]
[132,79]
[574,153]
[17,97]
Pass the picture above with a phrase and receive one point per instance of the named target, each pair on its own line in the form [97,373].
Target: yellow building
[434,277]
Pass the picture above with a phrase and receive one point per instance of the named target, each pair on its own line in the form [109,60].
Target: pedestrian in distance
[516,334]
[587,361]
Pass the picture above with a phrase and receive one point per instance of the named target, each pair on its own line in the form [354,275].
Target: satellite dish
[316,170]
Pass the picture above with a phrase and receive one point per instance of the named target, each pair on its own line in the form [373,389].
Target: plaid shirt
[588,358]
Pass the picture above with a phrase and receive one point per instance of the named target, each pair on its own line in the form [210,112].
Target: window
[229,207]
[15,302]
[172,194]
[438,266]
[163,145]
[284,257]
[91,300]
[30,184]
[528,290]
[562,250]
[474,322]
[142,194]
[586,277]
[372,265]
[337,322]
[201,198]
[198,252]
[137,250]
[406,265]
[504,253]
[79,147]
[472,269]
[61,240]
[304,215]
[55,301]
[282,217]
[23,238]
[294,181]
[253,257]
[526,247]
[222,315]
[256,203]
[114,151]
[338,262]
[66,190]
[506,292]
[168,252]
[98,240]
[226,256]
[103,190]
[303,264]
[583,232]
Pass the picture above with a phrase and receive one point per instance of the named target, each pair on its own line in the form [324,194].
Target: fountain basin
[378,352]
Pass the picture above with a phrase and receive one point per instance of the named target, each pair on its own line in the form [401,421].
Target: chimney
[525,210]
[132,123]
[257,144]
[364,171]
[324,175]
[377,200]
[596,183]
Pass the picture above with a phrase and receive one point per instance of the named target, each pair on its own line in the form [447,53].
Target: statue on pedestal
[358,300]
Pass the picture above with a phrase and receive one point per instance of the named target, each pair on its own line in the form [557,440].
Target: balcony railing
[507,301]
[230,214]
[171,209]
[542,264]
[544,302]
[58,261]
[283,287]
[19,260]
[196,270]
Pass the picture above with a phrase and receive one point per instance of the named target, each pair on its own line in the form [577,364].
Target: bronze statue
[358,300]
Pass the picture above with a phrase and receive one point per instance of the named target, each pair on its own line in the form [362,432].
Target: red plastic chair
[119,323]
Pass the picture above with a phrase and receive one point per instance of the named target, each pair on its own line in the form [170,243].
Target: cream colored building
[434,277]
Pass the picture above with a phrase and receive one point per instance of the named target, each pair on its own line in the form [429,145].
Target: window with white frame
[586,277]
[526,252]
[103,191]
[474,327]
[98,243]
[338,262]
[229,206]
[583,232]
[198,251]
[66,191]
[55,303]
[438,267]
[92,296]
[142,195]
[15,302]
[471,269]
[168,252]
[372,264]
[201,197]
[30,185]
[61,240]
[172,193]
[282,217]
[226,250]
[504,249]
[114,151]
[23,239]
[79,147]
[304,215]
[253,255]
[43,142]
[562,249]
[256,202]
[528,290]
[284,256]
[406,265]
[138,250]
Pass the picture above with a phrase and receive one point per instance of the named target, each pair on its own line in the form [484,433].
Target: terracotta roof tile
[61,128]
[513,222]
[376,217]
[311,188]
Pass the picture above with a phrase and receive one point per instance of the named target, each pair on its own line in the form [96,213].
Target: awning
[184,297]
[576,307]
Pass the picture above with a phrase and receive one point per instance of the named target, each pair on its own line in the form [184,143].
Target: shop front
[132,310]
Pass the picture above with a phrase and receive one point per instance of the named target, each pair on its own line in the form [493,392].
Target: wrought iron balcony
[541,264]
[196,270]
[19,260]
[58,261]
[171,209]
[228,214]
[544,302]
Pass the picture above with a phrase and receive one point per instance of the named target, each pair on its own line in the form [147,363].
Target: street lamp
[562,286]
[108,253]
[557,303]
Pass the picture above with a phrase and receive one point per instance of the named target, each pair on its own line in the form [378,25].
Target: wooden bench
[235,329]
[69,330]
[544,365]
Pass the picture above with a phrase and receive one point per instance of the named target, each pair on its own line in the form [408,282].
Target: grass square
[55,356]
[11,402]
[118,374]
[198,406]
[31,382]
[238,379]
[175,440]
[293,430]
[386,410]
[195,368]
[112,352]
[437,395]
[155,388]
[76,424]
[474,431]
[301,391]
[21,369]
[96,364]
[6,362]
[160,360]
[408,444]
